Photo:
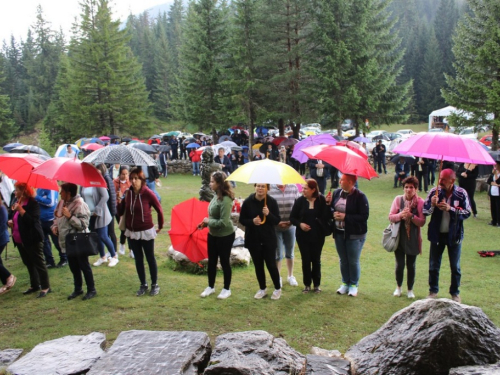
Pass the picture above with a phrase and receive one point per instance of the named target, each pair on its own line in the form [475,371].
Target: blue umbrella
[193,145]
[10,146]
[244,147]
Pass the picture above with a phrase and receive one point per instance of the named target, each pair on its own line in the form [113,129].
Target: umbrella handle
[439,174]
[265,204]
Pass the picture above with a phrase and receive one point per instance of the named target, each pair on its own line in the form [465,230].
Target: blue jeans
[435,255]
[286,243]
[152,187]
[105,240]
[196,168]
[349,253]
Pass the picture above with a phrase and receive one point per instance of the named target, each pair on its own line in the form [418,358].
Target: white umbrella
[120,154]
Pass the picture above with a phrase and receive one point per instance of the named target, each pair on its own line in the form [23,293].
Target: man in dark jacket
[380,150]
[224,161]
[402,171]
[448,209]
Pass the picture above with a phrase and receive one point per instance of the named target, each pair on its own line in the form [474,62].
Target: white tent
[443,112]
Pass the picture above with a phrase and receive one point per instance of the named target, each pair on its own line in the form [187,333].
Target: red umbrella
[92,147]
[278,140]
[356,147]
[71,170]
[342,158]
[19,167]
[184,233]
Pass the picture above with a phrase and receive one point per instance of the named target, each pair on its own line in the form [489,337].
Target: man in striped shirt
[285,195]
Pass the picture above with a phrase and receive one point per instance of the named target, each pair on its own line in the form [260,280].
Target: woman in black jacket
[260,214]
[28,237]
[309,215]
[467,175]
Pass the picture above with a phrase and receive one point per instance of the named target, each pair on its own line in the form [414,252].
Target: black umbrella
[162,148]
[382,137]
[408,159]
[264,147]
[112,136]
[190,140]
[8,147]
[29,149]
[126,139]
[148,149]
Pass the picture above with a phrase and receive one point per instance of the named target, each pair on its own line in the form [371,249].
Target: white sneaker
[292,281]
[207,292]
[343,289]
[131,254]
[276,294]
[100,261]
[260,294]
[122,249]
[353,291]
[397,292]
[113,262]
[225,293]
[411,294]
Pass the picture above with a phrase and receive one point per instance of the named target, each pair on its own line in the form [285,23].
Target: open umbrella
[344,159]
[256,146]
[193,145]
[313,140]
[224,138]
[156,136]
[91,147]
[148,149]
[112,136]
[236,148]
[381,137]
[126,139]
[289,142]
[266,171]
[162,148]
[95,140]
[278,140]
[409,159]
[104,138]
[184,233]
[71,170]
[228,144]
[356,147]
[120,154]
[81,142]
[10,146]
[360,139]
[29,149]
[175,132]
[19,167]
[62,150]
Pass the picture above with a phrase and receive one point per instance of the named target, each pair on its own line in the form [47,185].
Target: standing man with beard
[448,209]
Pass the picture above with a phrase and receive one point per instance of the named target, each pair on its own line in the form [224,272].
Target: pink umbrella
[357,148]
[344,159]
[104,138]
[444,146]
[71,170]
[313,140]
[92,146]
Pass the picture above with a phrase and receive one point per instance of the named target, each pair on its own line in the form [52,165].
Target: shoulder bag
[82,244]
[390,236]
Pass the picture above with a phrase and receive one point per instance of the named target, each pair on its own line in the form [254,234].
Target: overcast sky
[16,16]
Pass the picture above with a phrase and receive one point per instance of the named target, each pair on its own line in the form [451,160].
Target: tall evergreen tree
[476,87]
[162,68]
[7,126]
[444,28]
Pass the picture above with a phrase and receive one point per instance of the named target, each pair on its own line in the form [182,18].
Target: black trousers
[219,248]
[123,238]
[310,252]
[411,261]
[265,253]
[138,246]
[495,209]
[79,265]
[4,272]
[47,248]
[423,175]
[112,235]
[32,257]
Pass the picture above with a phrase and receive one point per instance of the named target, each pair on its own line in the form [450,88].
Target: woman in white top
[494,193]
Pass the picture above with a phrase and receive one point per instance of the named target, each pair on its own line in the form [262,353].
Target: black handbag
[82,244]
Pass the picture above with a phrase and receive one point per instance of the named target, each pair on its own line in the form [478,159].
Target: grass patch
[326,320]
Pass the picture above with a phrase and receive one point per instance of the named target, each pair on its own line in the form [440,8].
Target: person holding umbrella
[137,207]
[73,216]
[221,233]
[260,214]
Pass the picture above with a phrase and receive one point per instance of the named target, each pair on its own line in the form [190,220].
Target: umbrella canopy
[266,171]
[256,146]
[444,146]
[264,147]
[193,145]
[112,136]
[228,144]
[289,142]
[356,147]
[62,150]
[184,233]
[71,170]
[19,167]
[29,149]
[81,142]
[344,159]
[381,137]
[278,140]
[409,159]
[148,149]
[8,147]
[95,140]
[237,148]
[224,138]
[162,148]
[126,139]
[199,134]
[120,154]
[104,138]
[156,136]
[176,133]
[313,140]
[360,139]
[91,147]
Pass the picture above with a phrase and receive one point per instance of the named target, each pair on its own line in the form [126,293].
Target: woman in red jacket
[195,159]
[140,229]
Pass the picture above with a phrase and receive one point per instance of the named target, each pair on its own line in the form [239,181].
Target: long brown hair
[223,186]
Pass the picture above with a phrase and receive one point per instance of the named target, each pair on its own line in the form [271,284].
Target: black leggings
[265,253]
[411,261]
[310,252]
[32,257]
[137,247]
[122,232]
[79,265]
[4,272]
[219,247]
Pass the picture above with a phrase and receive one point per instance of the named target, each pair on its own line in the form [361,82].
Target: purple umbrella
[313,140]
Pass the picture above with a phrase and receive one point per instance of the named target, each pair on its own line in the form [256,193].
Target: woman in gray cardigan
[97,200]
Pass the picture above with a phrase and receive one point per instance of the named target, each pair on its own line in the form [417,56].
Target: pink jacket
[419,220]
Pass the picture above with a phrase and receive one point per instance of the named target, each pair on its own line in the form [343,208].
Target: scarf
[411,204]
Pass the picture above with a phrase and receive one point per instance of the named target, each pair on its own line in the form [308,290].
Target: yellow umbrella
[256,146]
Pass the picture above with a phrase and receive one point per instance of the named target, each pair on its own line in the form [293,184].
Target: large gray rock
[254,352]
[8,356]
[476,370]
[321,365]
[155,352]
[67,355]
[428,337]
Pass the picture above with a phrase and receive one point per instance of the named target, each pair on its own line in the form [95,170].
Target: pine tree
[162,67]
[476,87]
[7,125]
